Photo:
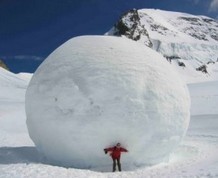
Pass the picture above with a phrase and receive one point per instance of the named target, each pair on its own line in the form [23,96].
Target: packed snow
[95,91]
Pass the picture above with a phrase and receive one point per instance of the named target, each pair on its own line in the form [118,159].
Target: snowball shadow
[16,155]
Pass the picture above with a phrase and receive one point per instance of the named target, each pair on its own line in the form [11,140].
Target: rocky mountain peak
[129,25]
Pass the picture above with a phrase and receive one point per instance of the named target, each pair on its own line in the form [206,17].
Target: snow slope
[12,97]
[197,156]
[179,27]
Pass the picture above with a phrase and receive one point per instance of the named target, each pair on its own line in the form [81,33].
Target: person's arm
[108,149]
[123,150]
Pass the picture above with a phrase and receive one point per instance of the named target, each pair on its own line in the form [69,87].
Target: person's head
[118,145]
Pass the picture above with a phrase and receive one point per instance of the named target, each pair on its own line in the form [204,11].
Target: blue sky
[32,29]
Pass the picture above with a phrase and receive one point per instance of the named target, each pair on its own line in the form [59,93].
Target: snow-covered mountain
[189,42]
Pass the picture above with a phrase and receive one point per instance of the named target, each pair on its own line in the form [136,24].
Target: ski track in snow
[196,157]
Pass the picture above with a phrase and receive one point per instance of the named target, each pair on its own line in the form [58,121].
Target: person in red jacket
[115,153]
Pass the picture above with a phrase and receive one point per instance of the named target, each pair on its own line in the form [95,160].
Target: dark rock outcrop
[202,68]
[130,26]
[3,65]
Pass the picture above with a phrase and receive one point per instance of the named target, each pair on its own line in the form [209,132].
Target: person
[115,153]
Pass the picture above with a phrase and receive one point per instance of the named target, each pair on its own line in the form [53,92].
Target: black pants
[116,162]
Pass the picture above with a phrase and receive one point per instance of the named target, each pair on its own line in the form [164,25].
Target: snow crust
[94,91]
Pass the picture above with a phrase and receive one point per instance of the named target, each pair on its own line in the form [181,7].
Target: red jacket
[115,151]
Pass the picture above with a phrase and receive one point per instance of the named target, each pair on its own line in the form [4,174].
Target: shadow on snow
[15,155]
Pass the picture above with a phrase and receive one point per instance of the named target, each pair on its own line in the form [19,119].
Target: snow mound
[95,91]
[8,79]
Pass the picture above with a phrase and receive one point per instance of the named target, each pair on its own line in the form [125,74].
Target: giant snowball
[95,91]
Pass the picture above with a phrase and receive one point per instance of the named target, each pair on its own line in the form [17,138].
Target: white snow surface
[177,27]
[95,91]
[196,157]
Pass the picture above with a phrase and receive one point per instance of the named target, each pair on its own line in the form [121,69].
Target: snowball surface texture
[95,91]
